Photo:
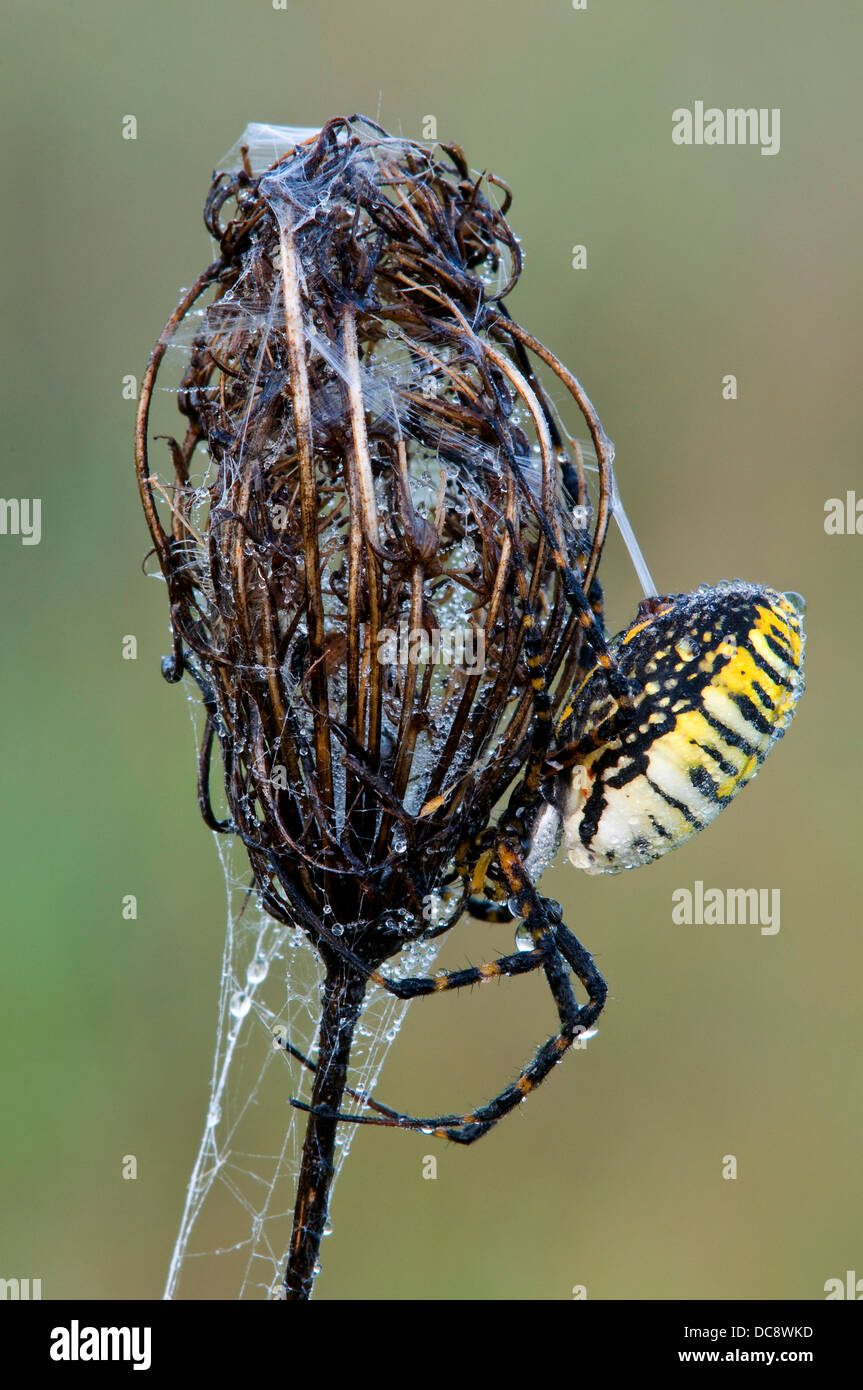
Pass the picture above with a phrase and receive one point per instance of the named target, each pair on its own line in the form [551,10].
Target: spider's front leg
[556,951]
[561,952]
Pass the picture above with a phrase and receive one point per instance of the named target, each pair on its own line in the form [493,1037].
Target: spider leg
[488,900]
[487,910]
[620,687]
[574,1020]
[361,1097]
[415,986]
[527,793]
[521,963]
[556,951]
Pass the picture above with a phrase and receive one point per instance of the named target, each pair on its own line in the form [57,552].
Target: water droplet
[513,906]
[797,601]
[523,938]
[398,839]
[257,971]
[241,1002]
[277,1291]
[328,1228]
[317,1267]
[687,649]
[426,1129]
[337,929]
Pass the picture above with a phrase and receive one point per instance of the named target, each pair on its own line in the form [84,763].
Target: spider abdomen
[717,676]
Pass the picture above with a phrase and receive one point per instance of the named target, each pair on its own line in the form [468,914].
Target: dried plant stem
[342,999]
[296,344]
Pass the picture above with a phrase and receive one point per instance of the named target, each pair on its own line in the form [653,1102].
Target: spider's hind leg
[556,952]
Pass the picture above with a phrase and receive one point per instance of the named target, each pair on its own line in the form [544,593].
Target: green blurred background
[701,262]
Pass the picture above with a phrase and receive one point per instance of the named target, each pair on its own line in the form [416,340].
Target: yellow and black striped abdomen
[720,672]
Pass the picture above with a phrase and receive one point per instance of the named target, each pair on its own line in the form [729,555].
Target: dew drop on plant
[398,839]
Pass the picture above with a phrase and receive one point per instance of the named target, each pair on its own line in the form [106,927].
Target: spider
[672,719]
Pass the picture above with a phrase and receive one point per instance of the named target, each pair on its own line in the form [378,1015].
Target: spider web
[236,1223]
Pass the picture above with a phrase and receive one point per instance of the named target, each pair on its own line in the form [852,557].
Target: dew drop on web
[256,973]
[241,1002]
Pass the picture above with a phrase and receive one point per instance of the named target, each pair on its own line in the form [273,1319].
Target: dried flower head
[343,585]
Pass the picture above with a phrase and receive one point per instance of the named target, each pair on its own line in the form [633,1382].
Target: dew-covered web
[237,1219]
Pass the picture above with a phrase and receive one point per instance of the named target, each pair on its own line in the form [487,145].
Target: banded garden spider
[674,718]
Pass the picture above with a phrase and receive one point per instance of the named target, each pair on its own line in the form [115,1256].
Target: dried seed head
[379,452]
